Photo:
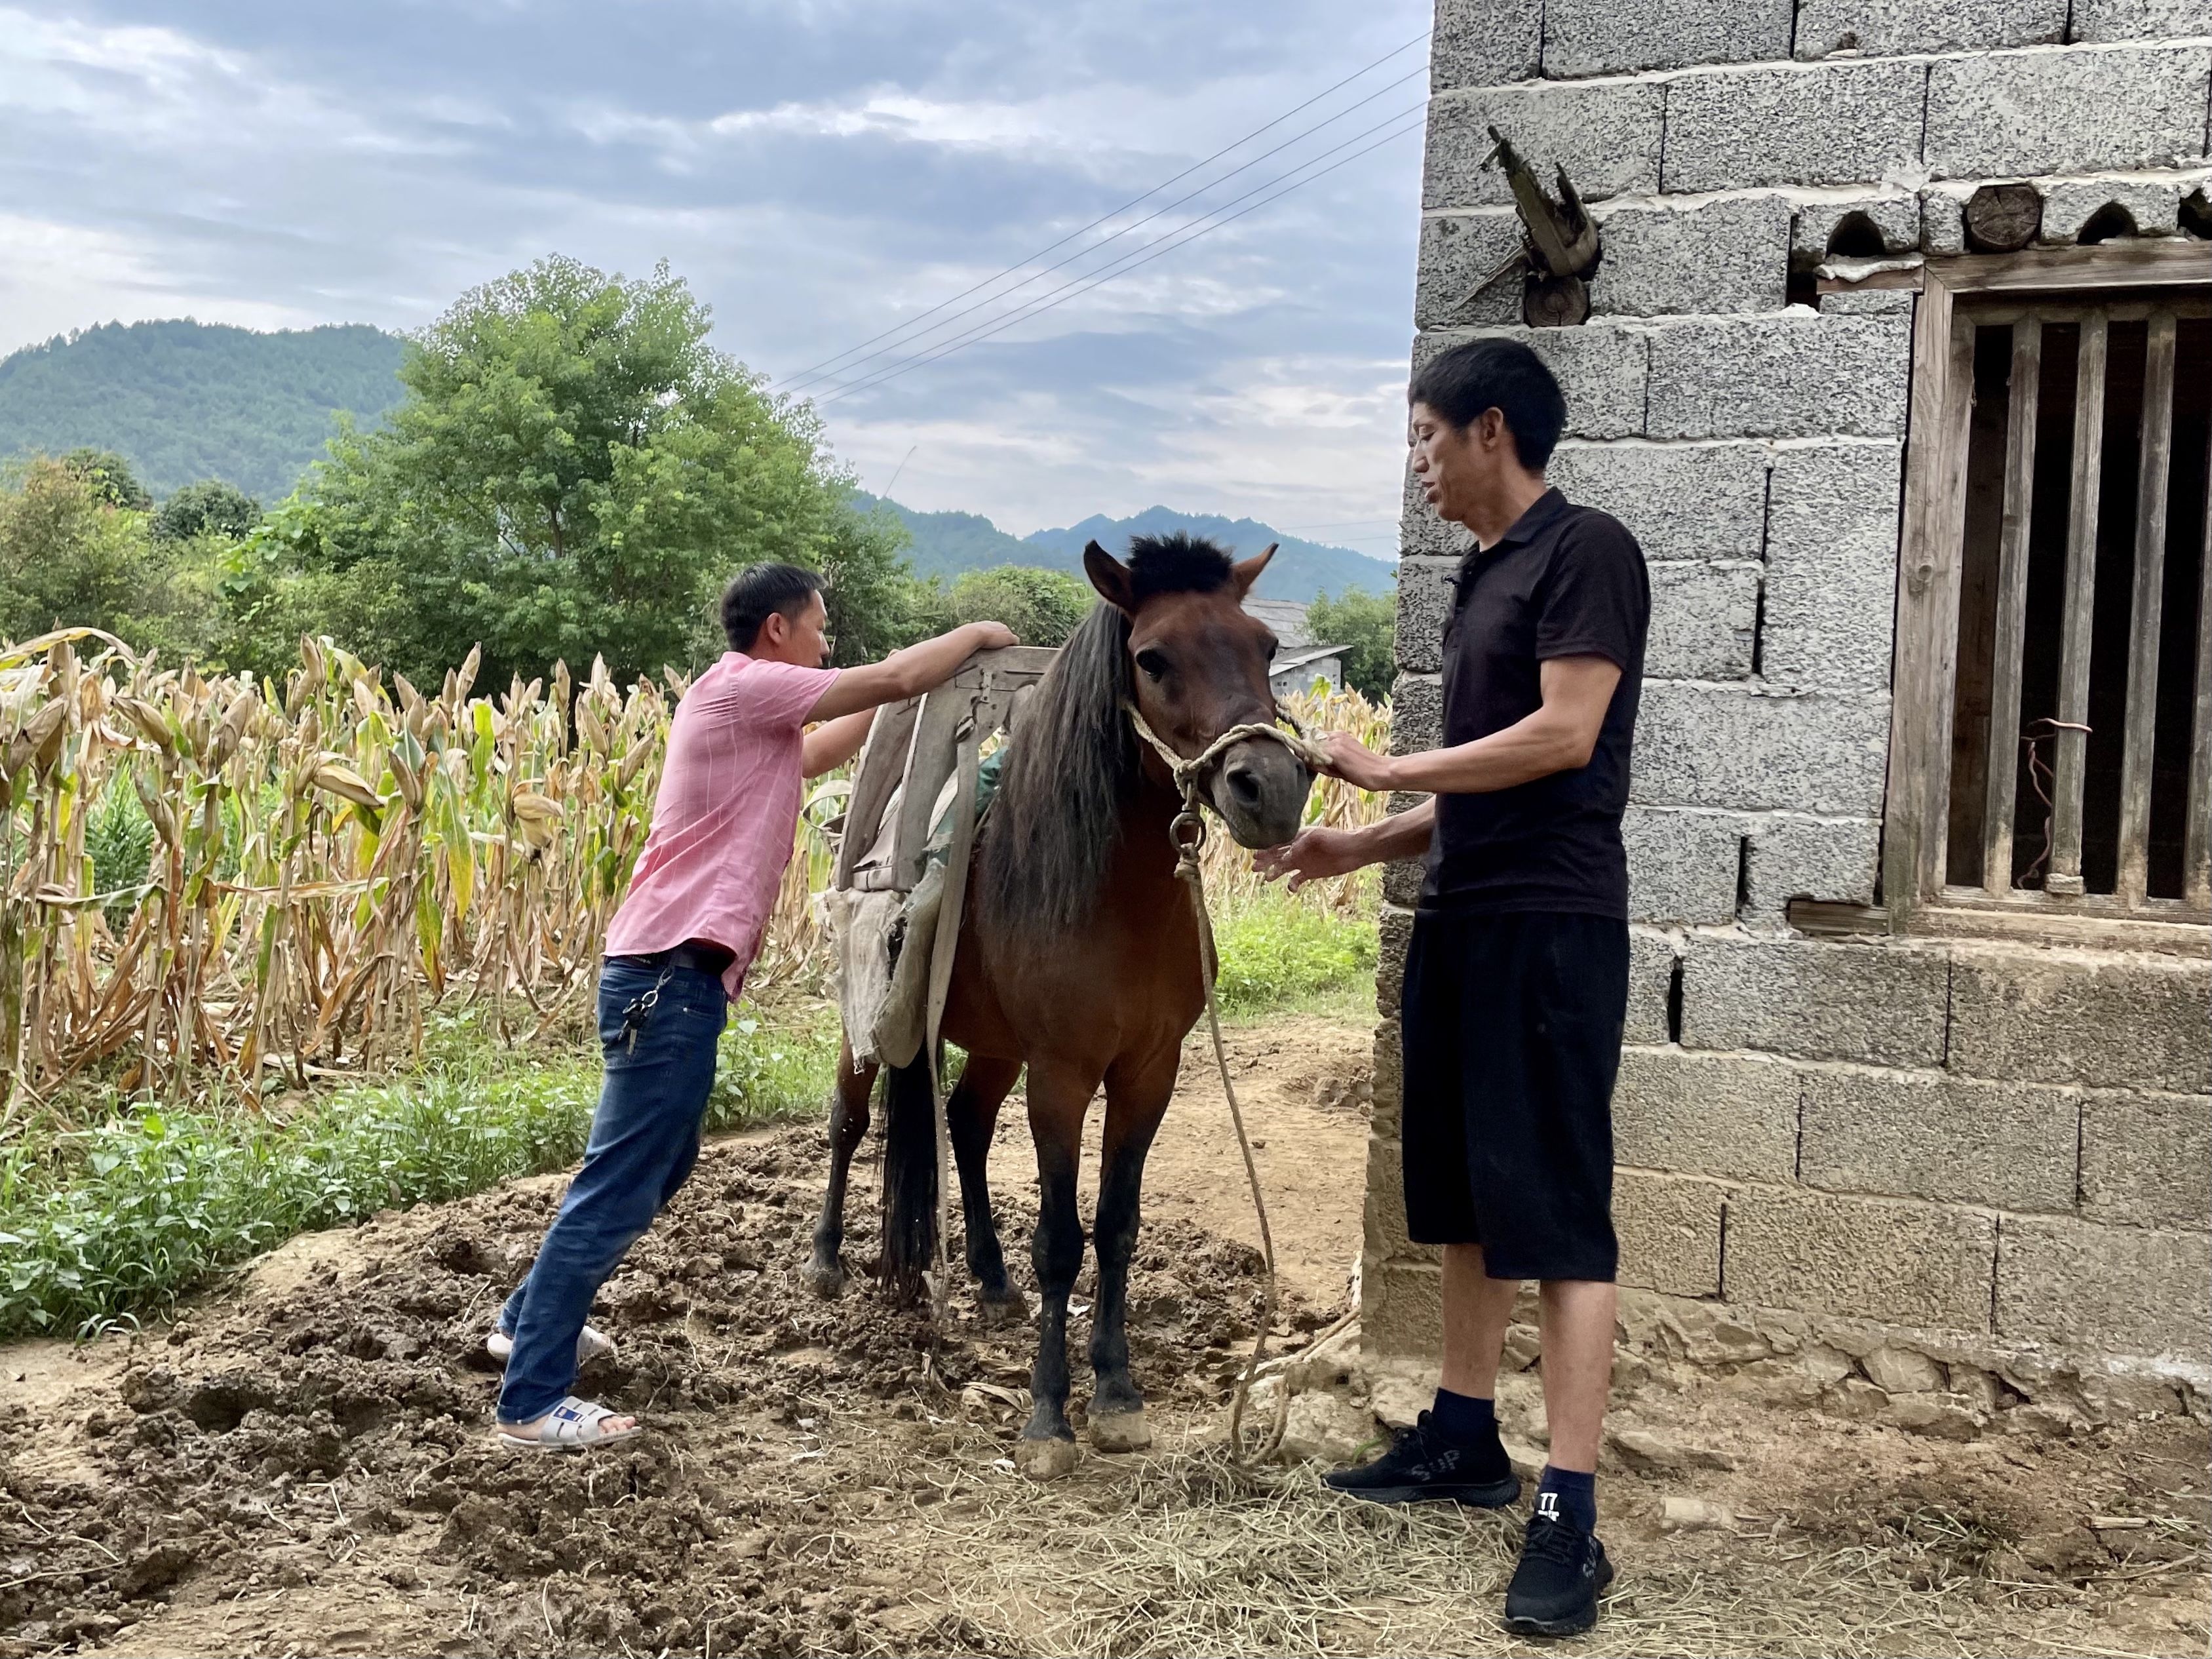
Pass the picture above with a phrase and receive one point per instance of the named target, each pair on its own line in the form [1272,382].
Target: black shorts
[1512,1040]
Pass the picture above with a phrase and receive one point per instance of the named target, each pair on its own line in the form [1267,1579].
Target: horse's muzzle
[1260,790]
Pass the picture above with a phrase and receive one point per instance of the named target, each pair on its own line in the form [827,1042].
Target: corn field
[224,882]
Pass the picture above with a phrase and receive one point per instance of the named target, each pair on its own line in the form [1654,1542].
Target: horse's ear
[1246,572]
[1111,577]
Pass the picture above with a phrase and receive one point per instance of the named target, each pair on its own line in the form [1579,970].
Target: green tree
[110,477]
[1366,624]
[68,558]
[1043,607]
[573,472]
[207,507]
[875,604]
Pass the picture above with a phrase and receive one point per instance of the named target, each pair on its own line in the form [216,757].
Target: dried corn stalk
[330,854]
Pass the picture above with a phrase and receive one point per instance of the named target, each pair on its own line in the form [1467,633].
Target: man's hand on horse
[1313,856]
[1344,756]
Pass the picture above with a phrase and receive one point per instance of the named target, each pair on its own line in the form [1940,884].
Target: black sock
[1573,1496]
[1463,1419]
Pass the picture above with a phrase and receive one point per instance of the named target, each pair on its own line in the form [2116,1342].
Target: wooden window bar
[2070,769]
[2150,292]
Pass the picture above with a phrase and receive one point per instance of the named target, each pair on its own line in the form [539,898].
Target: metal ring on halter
[1188,831]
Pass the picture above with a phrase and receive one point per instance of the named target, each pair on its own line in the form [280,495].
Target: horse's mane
[1052,826]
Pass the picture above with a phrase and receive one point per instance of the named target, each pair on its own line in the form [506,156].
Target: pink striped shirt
[725,813]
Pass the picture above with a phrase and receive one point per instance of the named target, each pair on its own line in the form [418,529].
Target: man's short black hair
[765,591]
[1503,375]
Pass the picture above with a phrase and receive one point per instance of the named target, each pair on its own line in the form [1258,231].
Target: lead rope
[1188,832]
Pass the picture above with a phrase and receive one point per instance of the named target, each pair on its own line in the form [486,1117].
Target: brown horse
[1078,957]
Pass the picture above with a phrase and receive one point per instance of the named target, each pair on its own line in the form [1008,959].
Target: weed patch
[1280,954]
[115,1221]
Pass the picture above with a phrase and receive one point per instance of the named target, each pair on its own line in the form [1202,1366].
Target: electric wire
[800,382]
[1175,239]
[1113,213]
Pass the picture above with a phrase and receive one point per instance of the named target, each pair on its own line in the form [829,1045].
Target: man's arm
[828,747]
[1557,737]
[907,674]
[1316,855]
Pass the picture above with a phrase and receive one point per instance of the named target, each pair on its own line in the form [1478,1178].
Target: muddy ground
[300,1464]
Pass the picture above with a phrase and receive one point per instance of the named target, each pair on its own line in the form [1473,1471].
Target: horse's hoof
[1121,1432]
[1045,1460]
[1009,1308]
[828,1283]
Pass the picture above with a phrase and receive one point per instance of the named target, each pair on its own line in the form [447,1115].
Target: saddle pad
[884,939]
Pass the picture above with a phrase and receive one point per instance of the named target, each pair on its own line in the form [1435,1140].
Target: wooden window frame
[1931,558]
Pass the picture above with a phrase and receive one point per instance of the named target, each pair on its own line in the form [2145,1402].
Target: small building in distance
[1303,659]
[1286,617]
[1295,670]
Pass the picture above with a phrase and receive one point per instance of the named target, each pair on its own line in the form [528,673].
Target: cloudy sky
[820,171]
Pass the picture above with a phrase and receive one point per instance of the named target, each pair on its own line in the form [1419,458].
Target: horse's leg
[1059,1096]
[974,1114]
[848,1127]
[1137,1097]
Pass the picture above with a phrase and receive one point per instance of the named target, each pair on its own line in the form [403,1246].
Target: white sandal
[591,1345]
[573,1426]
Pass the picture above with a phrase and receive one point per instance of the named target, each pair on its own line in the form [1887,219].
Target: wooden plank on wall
[2109,264]
[2153,475]
[2003,766]
[2071,766]
[1914,816]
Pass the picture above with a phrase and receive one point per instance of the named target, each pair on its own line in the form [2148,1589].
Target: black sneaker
[1422,1464]
[1562,1573]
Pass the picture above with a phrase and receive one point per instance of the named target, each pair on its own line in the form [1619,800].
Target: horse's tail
[910,1206]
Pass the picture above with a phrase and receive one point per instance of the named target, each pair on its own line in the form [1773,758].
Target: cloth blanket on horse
[884,939]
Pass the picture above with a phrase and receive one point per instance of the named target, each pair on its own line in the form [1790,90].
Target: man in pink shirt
[677,952]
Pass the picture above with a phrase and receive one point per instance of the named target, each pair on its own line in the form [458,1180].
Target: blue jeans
[645,1138]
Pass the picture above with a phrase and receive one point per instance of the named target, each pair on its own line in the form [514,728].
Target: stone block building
[1920,1032]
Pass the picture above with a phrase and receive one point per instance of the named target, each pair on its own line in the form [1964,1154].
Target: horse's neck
[1144,863]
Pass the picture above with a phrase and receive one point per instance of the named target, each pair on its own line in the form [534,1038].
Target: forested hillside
[1300,571]
[946,543]
[183,401]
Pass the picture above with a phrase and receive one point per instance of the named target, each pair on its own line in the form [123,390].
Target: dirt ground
[300,1463]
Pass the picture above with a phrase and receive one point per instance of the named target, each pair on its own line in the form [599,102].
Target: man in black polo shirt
[1517,980]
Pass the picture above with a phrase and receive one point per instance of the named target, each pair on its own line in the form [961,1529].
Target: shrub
[1275,950]
[118,1220]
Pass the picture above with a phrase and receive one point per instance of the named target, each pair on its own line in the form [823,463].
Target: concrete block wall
[1994,1144]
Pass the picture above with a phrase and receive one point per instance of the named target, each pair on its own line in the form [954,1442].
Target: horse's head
[1198,667]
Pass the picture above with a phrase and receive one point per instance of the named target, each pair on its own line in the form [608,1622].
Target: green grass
[115,1221]
[1281,956]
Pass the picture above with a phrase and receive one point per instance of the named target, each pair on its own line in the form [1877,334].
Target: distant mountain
[1300,571]
[946,543]
[184,400]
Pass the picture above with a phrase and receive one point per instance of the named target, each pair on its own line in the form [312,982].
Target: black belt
[709,959]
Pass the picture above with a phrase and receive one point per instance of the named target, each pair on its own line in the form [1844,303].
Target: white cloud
[1293,440]
[817,172]
[56,277]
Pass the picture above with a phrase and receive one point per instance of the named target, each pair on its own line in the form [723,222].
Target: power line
[1081,230]
[1077,287]
[799,383]
[1061,296]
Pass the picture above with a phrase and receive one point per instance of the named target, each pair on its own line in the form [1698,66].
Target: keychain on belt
[635,1015]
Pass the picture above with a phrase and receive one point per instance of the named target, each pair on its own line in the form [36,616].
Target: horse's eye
[1154,664]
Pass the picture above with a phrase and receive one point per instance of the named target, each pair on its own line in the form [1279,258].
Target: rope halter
[1189,830]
